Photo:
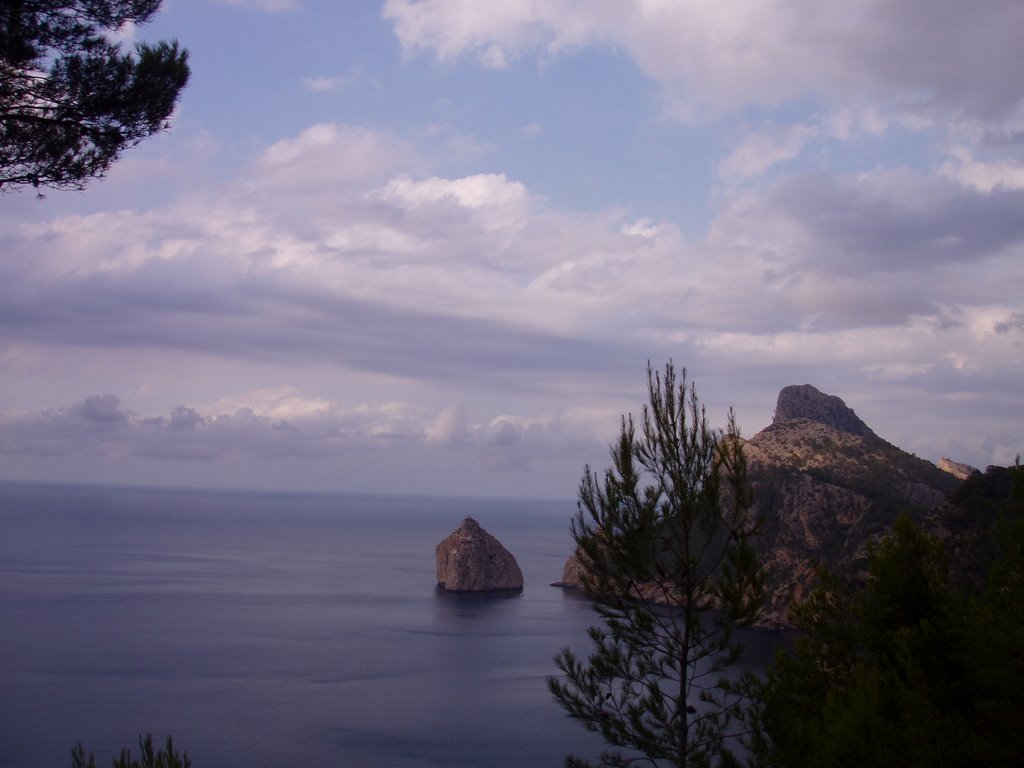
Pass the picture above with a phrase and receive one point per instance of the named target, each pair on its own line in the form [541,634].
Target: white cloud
[328,155]
[281,403]
[449,426]
[983,175]
[479,191]
[322,83]
[532,130]
[126,33]
[489,206]
[268,6]
[495,33]
[761,150]
[641,228]
[724,55]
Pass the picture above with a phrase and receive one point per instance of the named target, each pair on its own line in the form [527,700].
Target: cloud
[329,155]
[265,427]
[717,56]
[267,6]
[762,150]
[477,278]
[409,277]
[104,410]
[895,221]
[494,34]
[966,167]
[1013,323]
[126,33]
[494,202]
[322,83]
[277,403]
[449,426]
[531,130]
[479,191]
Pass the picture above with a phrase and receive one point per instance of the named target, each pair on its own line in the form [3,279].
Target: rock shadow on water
[496,605]
[456,597]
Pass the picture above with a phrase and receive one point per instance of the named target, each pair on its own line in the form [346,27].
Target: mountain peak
[806,402]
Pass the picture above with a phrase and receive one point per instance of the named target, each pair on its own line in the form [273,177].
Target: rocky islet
[470,559]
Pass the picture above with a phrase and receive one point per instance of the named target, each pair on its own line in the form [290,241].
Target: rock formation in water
[472,560]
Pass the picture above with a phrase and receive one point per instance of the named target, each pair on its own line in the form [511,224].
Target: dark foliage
[70,100]
[907,668]
[990,495]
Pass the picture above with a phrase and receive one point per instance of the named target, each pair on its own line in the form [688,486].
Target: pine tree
[70,100]
[664,539]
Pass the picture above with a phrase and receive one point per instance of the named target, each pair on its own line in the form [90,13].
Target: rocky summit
[472,560]
[805,402]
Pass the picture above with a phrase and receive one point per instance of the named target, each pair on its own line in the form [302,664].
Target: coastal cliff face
[472,560]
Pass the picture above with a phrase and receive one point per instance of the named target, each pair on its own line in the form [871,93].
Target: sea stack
[471,560]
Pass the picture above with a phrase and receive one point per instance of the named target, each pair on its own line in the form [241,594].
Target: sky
[430,246]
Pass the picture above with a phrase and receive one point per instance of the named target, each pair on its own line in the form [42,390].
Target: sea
[281,629]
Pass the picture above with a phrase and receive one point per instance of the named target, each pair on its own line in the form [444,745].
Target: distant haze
[429,247]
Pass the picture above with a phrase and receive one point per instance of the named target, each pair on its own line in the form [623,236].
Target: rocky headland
[825,485]
[472,560]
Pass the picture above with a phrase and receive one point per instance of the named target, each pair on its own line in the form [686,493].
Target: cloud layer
[723,56]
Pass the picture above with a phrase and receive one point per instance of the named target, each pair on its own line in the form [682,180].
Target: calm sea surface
[270,629]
